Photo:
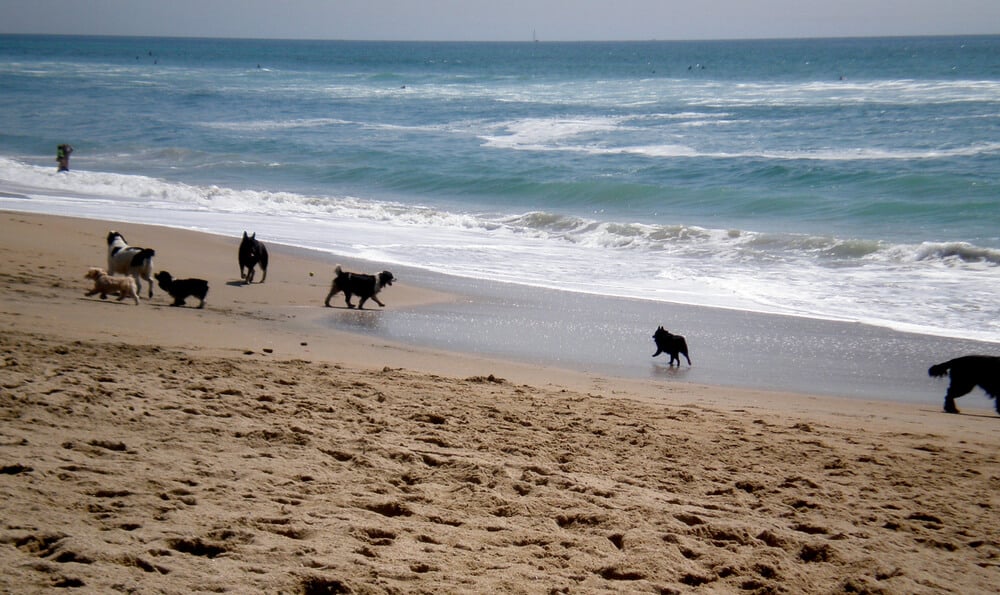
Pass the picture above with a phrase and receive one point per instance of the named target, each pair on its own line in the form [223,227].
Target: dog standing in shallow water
[105,284]
[675,345]
[966,372]
[129,260]
[181,289]
[252,253]
[364,286]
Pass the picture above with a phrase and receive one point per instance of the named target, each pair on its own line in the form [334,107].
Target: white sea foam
[599,135]
[272,125]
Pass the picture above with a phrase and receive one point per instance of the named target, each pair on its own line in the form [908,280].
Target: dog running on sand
[362,285]
[966,372]
[105,284]
[252,253]
[181,289]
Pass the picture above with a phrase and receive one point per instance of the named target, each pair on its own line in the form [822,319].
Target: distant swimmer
[62,156]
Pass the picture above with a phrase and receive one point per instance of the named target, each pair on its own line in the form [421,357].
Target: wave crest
[957,251]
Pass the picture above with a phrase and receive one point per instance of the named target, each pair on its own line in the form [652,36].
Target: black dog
[252,253]
[364,286]
[181,289]
[672,344]
[966,373]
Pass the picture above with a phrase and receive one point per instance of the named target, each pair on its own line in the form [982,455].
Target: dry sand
[247,448]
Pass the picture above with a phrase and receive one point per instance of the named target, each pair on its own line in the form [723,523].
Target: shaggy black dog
[672,344]
[181,289]
[364,286]
[252,253]
[967,372]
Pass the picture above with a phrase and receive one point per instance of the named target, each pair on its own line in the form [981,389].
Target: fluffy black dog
[181,289]
[252,253]
[967,372]
[364,286]
[672,344]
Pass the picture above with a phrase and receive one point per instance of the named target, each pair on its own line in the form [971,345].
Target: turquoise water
[852,179]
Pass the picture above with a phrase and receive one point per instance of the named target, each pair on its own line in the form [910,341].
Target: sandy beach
[257,446]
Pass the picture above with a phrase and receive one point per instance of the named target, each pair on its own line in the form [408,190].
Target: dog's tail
[939,369]
[143,257]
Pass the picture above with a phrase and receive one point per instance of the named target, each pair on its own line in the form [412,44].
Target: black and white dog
[129,260]
[252,253]
[181,289]
[359,284]
[674,345]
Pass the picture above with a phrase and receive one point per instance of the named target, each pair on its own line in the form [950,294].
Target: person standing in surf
[62,156]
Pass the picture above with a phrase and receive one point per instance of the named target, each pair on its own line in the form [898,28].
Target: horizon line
[525,41]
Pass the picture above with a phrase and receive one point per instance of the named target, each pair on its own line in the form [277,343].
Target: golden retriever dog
[105,284]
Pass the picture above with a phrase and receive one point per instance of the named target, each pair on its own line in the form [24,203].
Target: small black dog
[181,289]
[672,344]
[252,253]
[967,372]
[364,286]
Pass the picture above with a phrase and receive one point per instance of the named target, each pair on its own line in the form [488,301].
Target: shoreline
[585,334]
[329,237]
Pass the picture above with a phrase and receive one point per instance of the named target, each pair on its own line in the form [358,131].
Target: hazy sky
[502,20]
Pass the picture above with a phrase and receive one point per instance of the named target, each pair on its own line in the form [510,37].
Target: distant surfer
[62,156]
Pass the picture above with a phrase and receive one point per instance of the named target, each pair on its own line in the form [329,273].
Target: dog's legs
[685,357]
[149,280]
[347,298]
[202,304]
[376,300]
[361,304]
[956,389]
[333,292]
[94,292]
[178,302]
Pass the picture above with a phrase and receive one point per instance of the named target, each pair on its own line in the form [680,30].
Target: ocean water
[843,179]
